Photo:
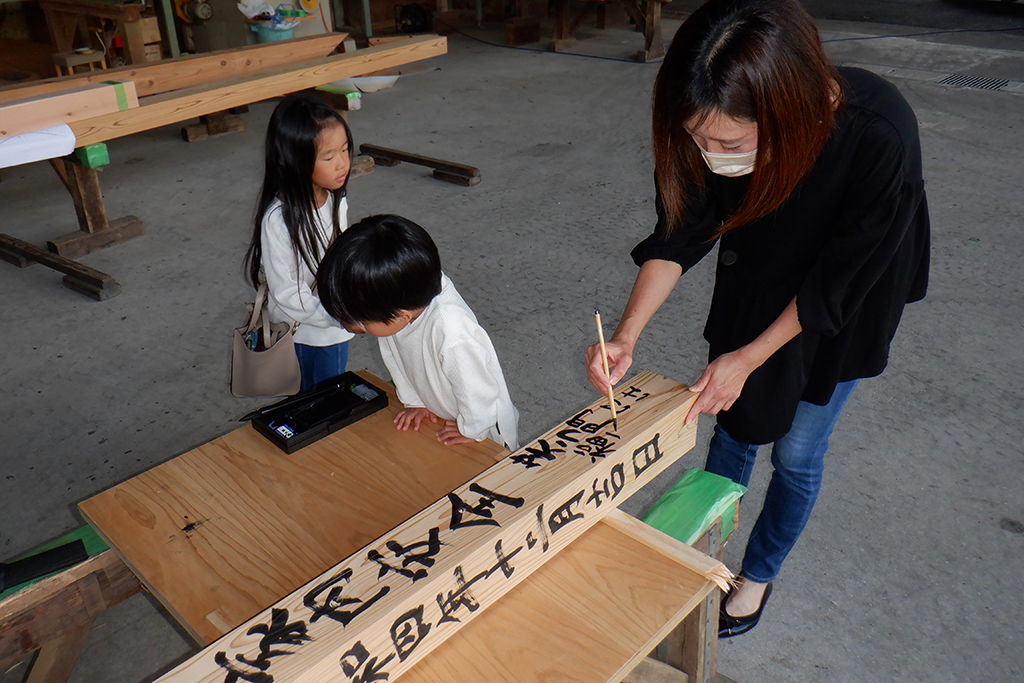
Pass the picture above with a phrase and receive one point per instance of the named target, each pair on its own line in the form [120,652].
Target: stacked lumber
[200,100]
[179,89]
[182,72]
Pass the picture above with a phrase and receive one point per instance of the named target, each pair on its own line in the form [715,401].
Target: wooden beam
[168,108]
[183,72]
[67,106]
[460,174]
[60,606]
[378,612]
[77,276]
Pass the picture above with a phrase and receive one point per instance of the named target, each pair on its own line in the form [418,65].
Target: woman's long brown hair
[752,60]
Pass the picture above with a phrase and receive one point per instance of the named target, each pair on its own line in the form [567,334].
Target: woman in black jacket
[809,179]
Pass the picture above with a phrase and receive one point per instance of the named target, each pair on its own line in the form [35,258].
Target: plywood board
[192,70]
[219,533]
[375,614]
[67,106]
[173,107]
[590,614]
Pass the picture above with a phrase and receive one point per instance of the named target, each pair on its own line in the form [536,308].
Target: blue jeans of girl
[798,459]
[318,363]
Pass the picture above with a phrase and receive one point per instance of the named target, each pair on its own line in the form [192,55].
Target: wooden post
[561,36]
[654,47]
[173,74]
[190,102]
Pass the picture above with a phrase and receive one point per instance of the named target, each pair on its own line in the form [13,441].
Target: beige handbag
[263,361]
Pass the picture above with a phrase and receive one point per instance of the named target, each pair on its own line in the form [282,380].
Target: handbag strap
[260,318]
[257,308]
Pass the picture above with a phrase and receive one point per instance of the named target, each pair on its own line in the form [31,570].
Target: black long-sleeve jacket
[851,244]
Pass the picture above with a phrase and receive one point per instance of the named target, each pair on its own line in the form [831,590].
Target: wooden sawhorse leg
[647,20]
[693,645]
[565,26]
[95,231]
[53,662]
[51,619]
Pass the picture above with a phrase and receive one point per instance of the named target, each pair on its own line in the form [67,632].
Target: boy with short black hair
[383,276]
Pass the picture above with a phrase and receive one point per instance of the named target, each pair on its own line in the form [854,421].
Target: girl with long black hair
[302,208]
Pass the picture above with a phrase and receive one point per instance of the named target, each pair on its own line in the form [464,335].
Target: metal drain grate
[975,82]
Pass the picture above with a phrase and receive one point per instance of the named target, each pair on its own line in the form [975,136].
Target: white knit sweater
[290,281]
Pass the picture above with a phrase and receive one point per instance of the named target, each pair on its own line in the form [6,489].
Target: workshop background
[912,563]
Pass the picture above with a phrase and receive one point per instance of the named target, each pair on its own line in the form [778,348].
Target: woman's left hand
[720,385]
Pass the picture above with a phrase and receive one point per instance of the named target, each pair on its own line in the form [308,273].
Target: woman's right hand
[620,357]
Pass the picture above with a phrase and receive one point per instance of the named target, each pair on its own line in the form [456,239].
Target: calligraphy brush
[604,362]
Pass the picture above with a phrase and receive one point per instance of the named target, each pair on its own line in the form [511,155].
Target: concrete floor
[911,566]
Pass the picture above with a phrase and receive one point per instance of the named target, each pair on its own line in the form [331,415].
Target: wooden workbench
[219,533]
[214,532]
[224,531]
[63,18]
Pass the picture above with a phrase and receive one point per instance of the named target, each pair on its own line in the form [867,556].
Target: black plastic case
[307,417]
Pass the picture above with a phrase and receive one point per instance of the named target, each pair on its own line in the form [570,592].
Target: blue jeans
[798,459]
[318,363]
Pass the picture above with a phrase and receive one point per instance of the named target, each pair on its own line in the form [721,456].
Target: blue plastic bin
[269,35]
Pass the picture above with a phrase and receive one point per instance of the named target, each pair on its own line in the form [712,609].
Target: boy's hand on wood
[450,435]
[413,417]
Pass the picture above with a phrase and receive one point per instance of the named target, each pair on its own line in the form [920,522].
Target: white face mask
[730,165]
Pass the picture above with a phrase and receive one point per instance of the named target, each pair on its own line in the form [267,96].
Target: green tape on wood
[122,96]
[94,545]
[693,503]
[338,90]
[94,155]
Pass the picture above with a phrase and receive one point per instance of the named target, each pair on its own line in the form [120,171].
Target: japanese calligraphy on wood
[372,616]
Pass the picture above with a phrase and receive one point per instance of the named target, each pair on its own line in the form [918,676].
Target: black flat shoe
[729,626]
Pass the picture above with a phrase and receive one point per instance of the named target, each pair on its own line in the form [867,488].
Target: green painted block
[692,504]
[93,156]
[338,90]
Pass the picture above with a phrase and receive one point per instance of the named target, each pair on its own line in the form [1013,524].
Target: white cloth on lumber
[48,143]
